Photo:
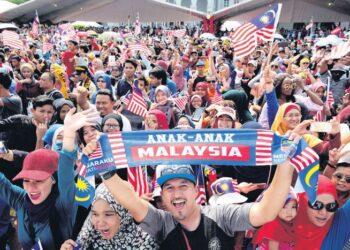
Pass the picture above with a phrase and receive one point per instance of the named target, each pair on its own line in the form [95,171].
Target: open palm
[74,122]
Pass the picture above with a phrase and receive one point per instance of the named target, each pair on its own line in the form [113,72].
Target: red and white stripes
[263,147]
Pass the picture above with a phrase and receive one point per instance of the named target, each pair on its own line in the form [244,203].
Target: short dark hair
[42,100]
[5,79]
[106,92]
[84,47]
[159,73]
[131,61]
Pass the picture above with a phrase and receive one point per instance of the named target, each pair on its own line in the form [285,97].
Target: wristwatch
[107,175]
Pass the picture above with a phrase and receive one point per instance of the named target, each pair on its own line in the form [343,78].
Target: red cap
[39,165]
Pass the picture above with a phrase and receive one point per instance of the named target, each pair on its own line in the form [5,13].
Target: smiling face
[339,179]
[292,119]
[289,211]
[38,191]
[161,97]
[287,86]
[179,196]
[319,218]
[105,220]
[151,122]
[89,133]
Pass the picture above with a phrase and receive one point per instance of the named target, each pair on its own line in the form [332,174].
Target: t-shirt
[337,87]
[215,231]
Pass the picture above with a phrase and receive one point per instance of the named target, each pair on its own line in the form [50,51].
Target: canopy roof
[101,11]
[157,10]
[292,10]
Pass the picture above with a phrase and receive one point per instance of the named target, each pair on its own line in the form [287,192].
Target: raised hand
[73,122]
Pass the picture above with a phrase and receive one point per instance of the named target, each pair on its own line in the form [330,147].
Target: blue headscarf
[48,136]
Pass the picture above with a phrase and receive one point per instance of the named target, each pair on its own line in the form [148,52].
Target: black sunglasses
[340,177]
[330,207]
[211,81]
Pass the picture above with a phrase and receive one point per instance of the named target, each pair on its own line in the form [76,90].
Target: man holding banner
[188,224]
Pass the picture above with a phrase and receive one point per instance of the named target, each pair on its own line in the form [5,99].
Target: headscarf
[240,98]
[49,135]
[106,78]
[114,116]
[129,236]
[205,98]
[280,127]
[166,108]
[307,234]
[192,125]
[277,230]
[161,118]
[57,145]
[58,104]
[179,79]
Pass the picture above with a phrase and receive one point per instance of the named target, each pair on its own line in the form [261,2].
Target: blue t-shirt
[5,219]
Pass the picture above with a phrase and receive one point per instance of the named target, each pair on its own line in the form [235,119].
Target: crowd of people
[55,103]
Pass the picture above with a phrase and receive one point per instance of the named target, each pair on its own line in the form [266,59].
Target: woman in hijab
[112,123]
[202,90]
[314,221]
[156,119]
[110,226]
[102,81]
[62,106]
[162,103]
[178,78]
[241,101]
[289,117]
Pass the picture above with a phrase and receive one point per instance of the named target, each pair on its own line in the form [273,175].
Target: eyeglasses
[176,169]
[113,126]
[274,66]
[340,177]
[330,207]
[291,85]
[211,81]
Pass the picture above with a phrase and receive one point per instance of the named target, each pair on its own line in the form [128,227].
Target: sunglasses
[274,66]
[340,177]
[211,81]
[176,170]
[330,207]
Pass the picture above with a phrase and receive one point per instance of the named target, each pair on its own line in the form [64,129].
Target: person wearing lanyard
[187,225]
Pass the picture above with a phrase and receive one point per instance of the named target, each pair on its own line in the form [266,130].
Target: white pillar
[194,4]
[211,6]
[178,2]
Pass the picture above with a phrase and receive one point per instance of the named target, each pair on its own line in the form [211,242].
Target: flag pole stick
[278,14]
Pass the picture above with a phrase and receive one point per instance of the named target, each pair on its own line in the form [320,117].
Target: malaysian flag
[179,33]
[126,98]
[339,51]
[246,37]
[263,147]
[85,190]
[137,103]
[217,96]
[138,46]
[137,29]
[12,39]
[201,196]
[309,26]
[307,164]
[47,47]
[35,25]
[97,153]
[137,179]
[180,102]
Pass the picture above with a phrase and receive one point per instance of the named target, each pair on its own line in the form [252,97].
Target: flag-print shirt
[215,231]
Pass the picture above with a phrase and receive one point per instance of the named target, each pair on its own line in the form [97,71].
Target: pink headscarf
[179,79]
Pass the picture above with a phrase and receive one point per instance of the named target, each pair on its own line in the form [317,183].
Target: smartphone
[3,148]
[324,127]
[197,114]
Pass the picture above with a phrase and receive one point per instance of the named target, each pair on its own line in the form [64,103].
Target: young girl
[268,238]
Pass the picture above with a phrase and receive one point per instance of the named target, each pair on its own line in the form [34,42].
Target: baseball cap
[227,111]
[254,63]
[200,63]
[165,173]
[225,191]
[39,165]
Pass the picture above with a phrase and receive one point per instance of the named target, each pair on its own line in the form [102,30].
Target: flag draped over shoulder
[247,37]
[202,146]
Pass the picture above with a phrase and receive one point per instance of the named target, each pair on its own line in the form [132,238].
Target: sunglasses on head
[176,170]
[340,177]
[330,207]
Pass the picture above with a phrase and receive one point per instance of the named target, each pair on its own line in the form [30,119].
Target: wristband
[108,175]
[331,165]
